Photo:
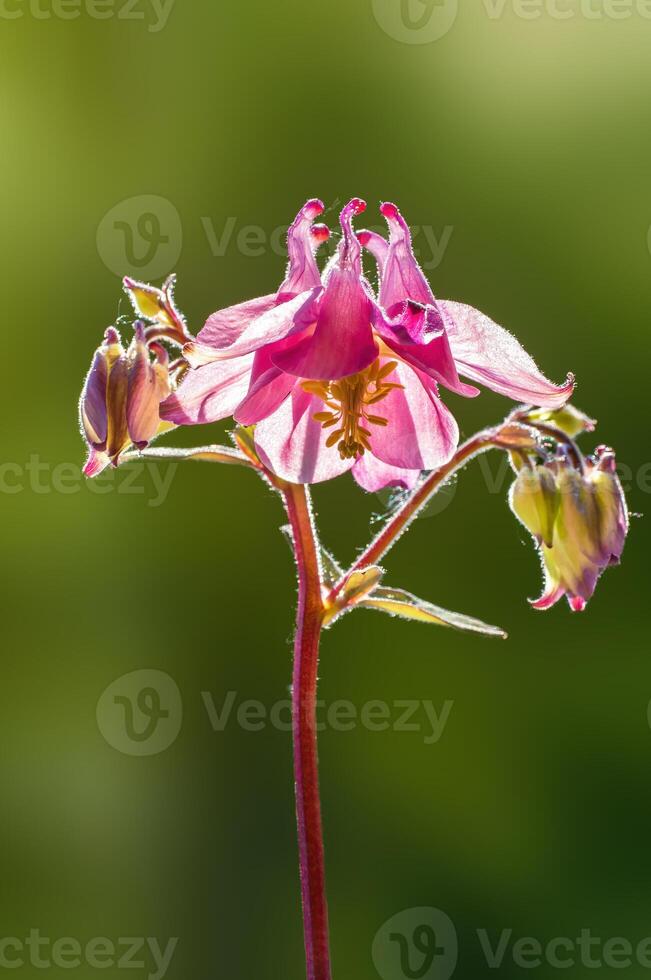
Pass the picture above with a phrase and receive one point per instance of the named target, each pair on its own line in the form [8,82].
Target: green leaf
[396,602]
[331,570]
[359,584]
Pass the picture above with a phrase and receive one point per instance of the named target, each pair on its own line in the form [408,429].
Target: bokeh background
[522,143]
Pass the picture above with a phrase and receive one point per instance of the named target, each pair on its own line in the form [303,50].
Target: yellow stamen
[349,400]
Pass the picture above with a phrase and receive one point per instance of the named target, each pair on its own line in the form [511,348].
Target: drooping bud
[535,501]
[104,395]
[611,505]
[120,400]
[589,522]
[148,385]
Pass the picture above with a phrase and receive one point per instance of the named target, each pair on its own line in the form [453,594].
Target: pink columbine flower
[121,396]
[335,378]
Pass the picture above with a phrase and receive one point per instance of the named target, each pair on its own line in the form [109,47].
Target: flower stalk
[309,621]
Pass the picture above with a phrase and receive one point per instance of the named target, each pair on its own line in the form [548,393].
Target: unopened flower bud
[148,385]
[589,525]
[570,420]
[120,400]
[611,505]
[157,306]
[535,501]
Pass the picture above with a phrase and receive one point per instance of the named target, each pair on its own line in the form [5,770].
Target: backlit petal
[402,277]
[373,475]
[421,433]
[209,393]
[492,356]
[342,342]
[302,270]
[292,444]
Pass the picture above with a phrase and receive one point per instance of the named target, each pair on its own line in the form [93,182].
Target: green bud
[535,501]
[570,420]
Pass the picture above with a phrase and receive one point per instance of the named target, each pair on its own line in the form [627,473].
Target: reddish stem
[309,620]
[395,526]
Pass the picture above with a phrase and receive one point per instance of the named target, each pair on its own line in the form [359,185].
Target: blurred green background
[521,142]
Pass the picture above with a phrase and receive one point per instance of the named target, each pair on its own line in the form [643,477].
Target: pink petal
[373,475]
[549,598]
[95,464]
[342,342]
[277,323]
[292,445]
[302,271]
[268,390]
[402,277]
[376,245]
[92,406]
[492,356]
[224,327]
[209,393]
[417,334]
[147,385]
[421,433]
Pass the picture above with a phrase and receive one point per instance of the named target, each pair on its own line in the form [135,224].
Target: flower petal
[92,407]
[147,385]
[421,433]
[302,241]
[95,464]
[293,445]
[376,245]
[209,393]
[342,342]
[489,354]
[276,323]
[417,334]
[223,328]
[268,389]
[373,475]
[402,277]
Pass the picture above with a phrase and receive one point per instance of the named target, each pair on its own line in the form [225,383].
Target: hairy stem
[309,620]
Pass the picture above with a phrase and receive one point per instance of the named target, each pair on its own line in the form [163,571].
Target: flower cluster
[576,511]
[337,377]
[121,397]
[328,374]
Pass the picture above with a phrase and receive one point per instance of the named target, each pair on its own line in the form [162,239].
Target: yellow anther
[348,400]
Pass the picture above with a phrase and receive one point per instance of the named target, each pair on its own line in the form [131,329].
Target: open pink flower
[334,379]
